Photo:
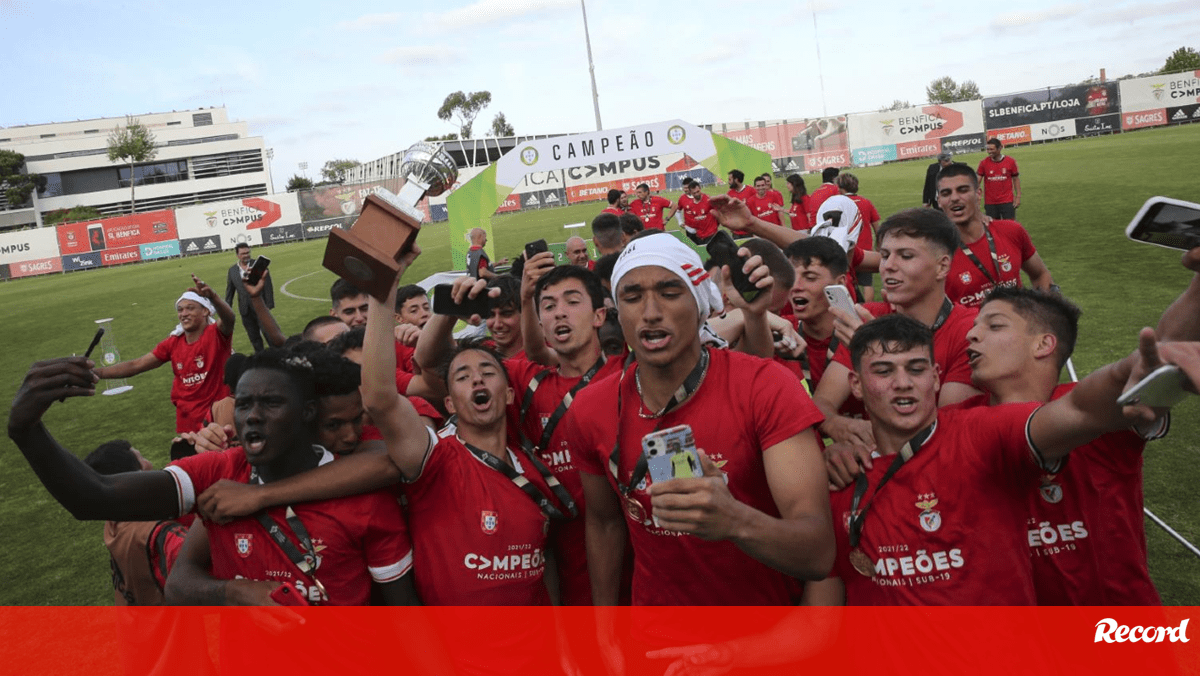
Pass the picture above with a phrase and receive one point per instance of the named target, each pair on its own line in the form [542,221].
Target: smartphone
[286,595]
[1167,222]
[839,297]
[671,454]
[1163,388]
[443,303]
[534,248]
[181,449]
[257,268]
[723,249]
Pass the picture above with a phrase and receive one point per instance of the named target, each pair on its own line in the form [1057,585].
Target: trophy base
[366,254]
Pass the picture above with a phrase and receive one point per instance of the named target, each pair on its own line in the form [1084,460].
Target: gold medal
[635,509]
[862,563]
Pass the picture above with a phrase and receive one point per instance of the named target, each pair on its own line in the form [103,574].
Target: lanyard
[858,518]
[305,561]
[556,417]
[943,315]
[527,487]
[688,388]
[978,263]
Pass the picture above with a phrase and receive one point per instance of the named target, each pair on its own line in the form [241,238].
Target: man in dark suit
[929,194]
[234,282]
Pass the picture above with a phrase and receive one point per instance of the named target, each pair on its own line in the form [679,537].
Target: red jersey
[744,194]
[615,211]
[949,343]
[357,538]
[743,406]
[948,528]
[775,195]
[762,207]
[1085,530]
[997,179]
[570,541]
[798,213]
[697,216]
[199,370]
[650,210]
[482,538]
[870,216]
[967,284]
[818,197]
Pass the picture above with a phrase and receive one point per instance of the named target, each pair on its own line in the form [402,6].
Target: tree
[334,171]
[132,143]
[72,215]
[464,108]
[944,90]
[445,137]
[298,182]
[1184,58]
[501,127]
[896,105]
[17,184]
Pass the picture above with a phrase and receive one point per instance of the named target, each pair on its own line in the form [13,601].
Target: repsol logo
[14,248]
[959,143]
[1110,631]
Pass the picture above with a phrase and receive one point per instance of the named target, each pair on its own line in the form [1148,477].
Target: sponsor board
[819,161]
[541,180]
[789,165]
[1144,118]
[1183,114]
[73,238]
[318,229]
[340,200]
[965,143]
[282,233]
[1094,126]
[160,250]
[919,123]
[130,254]
[675,180]
[82,261]
[1048,131]
[599,191]
[199,245]
[614,172]
[553,198]
[4,272]
[785,139]
[1013,135]
[1053,104]
[134,229]
[510,203]
[232,217]
[914,149]
[42,266]
[438,212]
[874,154]
[1159,91]
[26,245]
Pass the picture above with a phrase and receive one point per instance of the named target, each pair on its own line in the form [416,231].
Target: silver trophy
[367,254]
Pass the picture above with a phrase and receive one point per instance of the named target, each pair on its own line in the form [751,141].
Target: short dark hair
[772,256]
[342,289]
[333,374]
[407,293]
[564,272]
[631,224]
[958,169]
[348,340]
[614,195]
[233,369]
[297,367]
[823,250]
[482,344]
[848,182]
[687,181]
[644,186]
[829,174]
[311,327]
[763,178]
[240,246]
[606,230]
[510,293]
[893,333]
[767,175]
[1045,310]
[113,457]
[993,141]
[604,266]
[920,223]
[797,181]
[737,175]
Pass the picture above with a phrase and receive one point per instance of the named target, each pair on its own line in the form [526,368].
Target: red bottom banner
[600,641]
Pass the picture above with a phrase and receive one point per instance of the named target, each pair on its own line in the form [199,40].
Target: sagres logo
[1110,631]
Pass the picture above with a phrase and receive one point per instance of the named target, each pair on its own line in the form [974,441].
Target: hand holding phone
[444,303]
[671,454]
[724,250]
[1162,388]
[1166,222]
[257,269]
[286,595]
[534,248]
[839,297]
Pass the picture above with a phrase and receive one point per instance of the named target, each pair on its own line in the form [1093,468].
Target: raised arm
[266,320]
[536,349]
[734,214]
[131,496]
[225,316]
[1039,274]
[130,368]
[756,329]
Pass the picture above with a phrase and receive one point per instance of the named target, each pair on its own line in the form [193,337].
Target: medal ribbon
[306,563]
[559,412]
[527,487]
[978,263]
[907,451]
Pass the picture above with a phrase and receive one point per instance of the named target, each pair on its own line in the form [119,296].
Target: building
[202,157]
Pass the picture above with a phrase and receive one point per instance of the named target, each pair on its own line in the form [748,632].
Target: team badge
[930,518]
[489,521]
[1050,491]
[244,543]
[529,156]
[199,361]
[965,277]
[1005,264]
[676,134]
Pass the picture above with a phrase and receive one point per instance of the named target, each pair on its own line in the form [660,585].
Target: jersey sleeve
[163,545]
[162,351]
[1023,242]
[386,543]
[520,372]
[999,439]
[426,409]
[403,378]
[1013,164]
[194,474]
[662,202]
[781,408]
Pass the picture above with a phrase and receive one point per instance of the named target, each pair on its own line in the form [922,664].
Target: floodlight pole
[591,66]
[820,70]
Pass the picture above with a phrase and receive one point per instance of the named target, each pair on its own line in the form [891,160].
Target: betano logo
[1109,631]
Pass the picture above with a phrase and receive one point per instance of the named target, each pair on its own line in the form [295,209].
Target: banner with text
[915,132]
[1159,91]
[1053,104]
[236,221]
[815,143]
[27,245]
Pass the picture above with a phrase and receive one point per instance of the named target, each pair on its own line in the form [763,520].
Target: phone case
[1163,388]
[286,595]
[724,250]
[1166,222]
[839,297]
[671,454]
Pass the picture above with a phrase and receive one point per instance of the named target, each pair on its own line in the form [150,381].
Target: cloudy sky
[323,80]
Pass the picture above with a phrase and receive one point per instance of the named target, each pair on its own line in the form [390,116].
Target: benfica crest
[1005,264]
[930,519]
[1050,491]
[199,361]
[244,543]
[489,521]
[965,277]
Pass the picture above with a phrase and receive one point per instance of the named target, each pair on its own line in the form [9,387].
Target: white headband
[665,251]
[197,298]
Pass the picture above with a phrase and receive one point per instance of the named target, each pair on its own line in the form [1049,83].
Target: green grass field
[1078,196]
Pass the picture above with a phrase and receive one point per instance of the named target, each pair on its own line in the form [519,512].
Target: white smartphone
[1166,222]
[1163,388]
[839,297]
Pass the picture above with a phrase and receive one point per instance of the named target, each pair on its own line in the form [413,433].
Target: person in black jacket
[929,195]
[235,282]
